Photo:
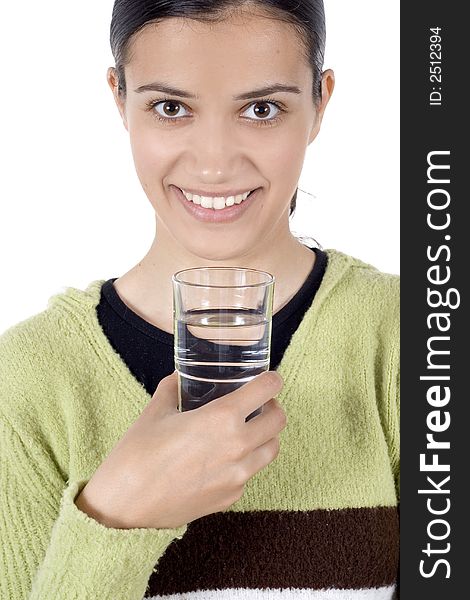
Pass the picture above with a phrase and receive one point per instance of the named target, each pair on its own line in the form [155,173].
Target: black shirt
[148,351]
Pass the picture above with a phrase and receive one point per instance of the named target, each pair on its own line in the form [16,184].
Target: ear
[327,87]
[113,82]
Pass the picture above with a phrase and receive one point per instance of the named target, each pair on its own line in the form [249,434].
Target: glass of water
[222,320]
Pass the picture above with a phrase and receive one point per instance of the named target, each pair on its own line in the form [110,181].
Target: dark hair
[306,16]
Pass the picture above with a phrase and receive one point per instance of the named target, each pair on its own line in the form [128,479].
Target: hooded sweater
[321,521]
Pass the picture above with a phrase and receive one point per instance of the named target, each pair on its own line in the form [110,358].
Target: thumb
[166,394]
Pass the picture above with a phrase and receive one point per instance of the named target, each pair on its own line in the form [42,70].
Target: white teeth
[217,202]
[206,202]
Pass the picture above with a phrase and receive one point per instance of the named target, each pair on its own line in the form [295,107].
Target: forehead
[240,49]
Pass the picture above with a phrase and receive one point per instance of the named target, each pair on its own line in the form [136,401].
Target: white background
[71,207]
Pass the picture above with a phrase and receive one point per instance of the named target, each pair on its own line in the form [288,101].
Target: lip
[225,194]
[211,215]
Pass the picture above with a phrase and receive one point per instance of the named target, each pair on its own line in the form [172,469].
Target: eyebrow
[272,88]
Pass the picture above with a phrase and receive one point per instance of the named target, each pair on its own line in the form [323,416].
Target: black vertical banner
[435,318]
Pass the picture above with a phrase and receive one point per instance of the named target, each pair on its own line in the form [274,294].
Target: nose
[215,150]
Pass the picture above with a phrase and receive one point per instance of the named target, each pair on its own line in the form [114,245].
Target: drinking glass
[222,318]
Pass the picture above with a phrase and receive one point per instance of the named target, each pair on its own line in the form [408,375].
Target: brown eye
[167,109]
[170,108]
[262,109]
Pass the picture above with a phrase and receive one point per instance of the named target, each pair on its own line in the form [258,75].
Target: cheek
[283,160]
[151,154]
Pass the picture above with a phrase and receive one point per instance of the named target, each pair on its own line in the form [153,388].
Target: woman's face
[213,141]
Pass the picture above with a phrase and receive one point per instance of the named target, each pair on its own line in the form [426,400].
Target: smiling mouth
[216,202]
[223,214]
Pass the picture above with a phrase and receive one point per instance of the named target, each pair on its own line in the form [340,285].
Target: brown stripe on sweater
[345,548]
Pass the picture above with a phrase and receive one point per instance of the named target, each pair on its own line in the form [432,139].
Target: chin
[216,252]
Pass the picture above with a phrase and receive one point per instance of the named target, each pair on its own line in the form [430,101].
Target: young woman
[107,490]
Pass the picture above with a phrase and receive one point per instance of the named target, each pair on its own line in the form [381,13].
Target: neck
[147,288]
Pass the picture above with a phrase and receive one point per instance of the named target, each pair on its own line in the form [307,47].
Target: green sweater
[323,516]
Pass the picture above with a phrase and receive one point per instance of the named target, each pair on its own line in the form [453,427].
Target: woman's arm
[49,548]
[393,409]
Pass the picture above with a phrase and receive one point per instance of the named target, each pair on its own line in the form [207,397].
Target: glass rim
[175,279]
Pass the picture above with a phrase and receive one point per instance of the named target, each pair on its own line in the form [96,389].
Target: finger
[265,426]
[261,457]
[166,394]
[254,393]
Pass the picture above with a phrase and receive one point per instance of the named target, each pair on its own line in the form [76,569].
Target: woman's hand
[170,468]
